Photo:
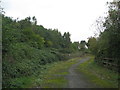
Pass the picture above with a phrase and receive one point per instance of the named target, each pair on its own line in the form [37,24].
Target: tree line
[107,44]
[27,47]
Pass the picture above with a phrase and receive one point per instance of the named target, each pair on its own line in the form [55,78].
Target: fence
[109,63]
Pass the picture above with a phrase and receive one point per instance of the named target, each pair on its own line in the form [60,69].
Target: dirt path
[78,80]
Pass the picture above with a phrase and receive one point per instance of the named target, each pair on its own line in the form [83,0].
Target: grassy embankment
[54,76]
[51,75]
[99,75]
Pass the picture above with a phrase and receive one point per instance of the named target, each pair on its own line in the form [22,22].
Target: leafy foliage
[27,47]
[92,45]
[107,44]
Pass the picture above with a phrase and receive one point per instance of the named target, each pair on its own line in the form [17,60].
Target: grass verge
[99,75]
[51,75]
[54,75]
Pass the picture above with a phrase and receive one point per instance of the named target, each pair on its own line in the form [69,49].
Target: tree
[82,45]
[75,46]
[109,40]
[92,45]
[67,40]
[34,20]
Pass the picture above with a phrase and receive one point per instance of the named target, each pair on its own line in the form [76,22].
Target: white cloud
[75,16]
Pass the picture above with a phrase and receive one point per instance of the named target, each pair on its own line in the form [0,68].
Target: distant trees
[92,45]
[109,39]
[27,46]
[35,35]
[83,45]
[34,20]
[75,46]
[67,41]
[107,44]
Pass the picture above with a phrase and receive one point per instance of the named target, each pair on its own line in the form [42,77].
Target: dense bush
[27,47]
[23,60]
[107,44]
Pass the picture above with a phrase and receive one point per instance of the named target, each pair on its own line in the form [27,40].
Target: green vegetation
[51,75]
[97,74]
[106,45]
[54,77]
[31,54]
[27,47]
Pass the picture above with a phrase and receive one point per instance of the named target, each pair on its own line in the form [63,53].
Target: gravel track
[78,80]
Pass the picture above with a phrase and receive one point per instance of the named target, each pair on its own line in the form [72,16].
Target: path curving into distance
[78,80]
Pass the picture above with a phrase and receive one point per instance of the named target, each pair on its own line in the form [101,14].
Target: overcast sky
[74,16]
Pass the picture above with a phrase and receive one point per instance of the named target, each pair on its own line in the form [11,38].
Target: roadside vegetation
[27,47]
[55,76]
[106,46]
[34,56]
[52,75]
[99,75]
